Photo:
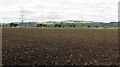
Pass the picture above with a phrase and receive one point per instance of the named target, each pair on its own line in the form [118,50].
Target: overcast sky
[58,10]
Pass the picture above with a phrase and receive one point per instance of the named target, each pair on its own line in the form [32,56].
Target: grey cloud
[40,10]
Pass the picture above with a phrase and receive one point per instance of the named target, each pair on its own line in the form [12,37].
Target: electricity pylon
[22,15]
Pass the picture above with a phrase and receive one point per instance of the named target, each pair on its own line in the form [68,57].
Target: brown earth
[50,46]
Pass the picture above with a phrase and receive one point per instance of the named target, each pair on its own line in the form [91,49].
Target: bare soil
[50,46]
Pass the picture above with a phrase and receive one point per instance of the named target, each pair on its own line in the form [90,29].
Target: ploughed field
[59,46]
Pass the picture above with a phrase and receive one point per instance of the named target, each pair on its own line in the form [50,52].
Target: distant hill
[76,21]
[66,21]
[50,22]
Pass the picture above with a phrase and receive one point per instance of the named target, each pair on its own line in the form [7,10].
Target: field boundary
[0,46]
